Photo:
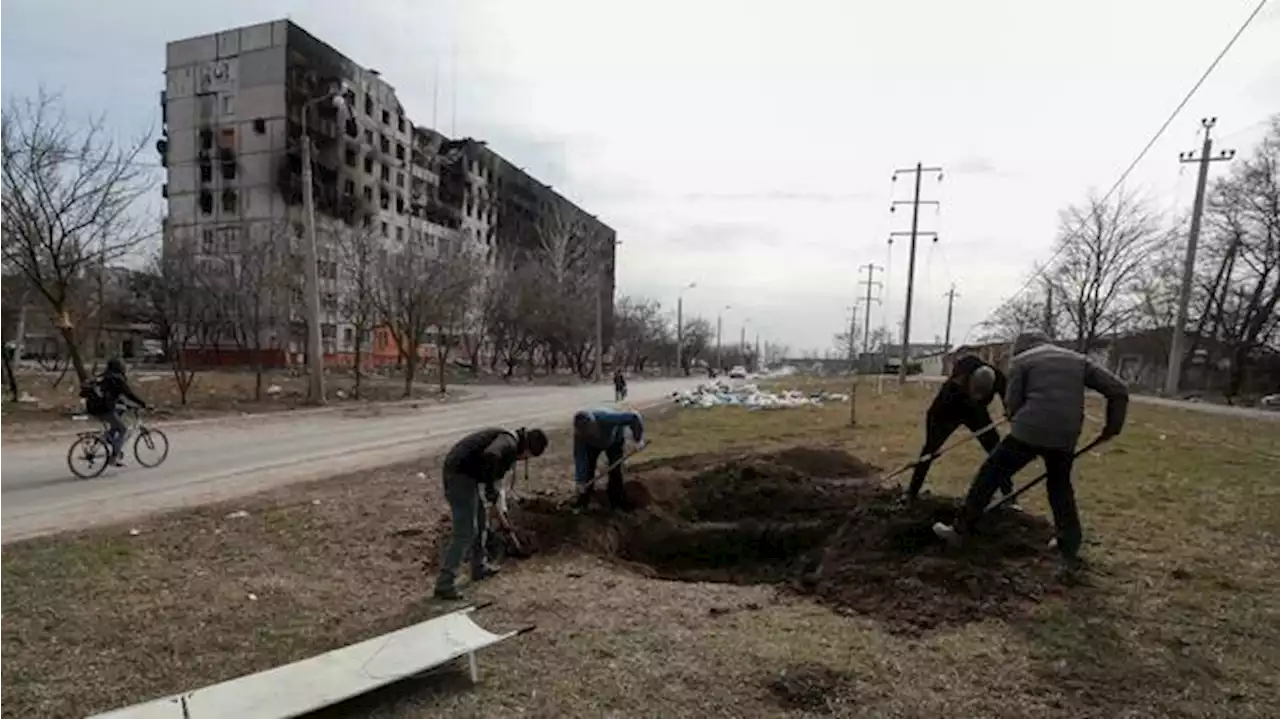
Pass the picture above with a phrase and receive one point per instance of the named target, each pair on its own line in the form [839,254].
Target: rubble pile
[721,394]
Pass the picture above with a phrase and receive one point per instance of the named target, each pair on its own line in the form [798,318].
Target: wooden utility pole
[1174,375]
[915,203]
[951,295]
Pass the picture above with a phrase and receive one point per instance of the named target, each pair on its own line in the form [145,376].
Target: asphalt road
[228,458]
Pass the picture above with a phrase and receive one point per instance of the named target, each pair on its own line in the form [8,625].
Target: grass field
[1181,617]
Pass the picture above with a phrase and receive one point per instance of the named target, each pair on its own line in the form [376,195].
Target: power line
[1150,143]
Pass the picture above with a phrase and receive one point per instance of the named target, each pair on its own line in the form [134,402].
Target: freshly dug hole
[764,519]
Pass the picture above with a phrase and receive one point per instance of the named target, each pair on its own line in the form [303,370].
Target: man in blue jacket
[603,430]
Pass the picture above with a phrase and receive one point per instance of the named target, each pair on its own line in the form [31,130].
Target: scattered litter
[26,398]
[274,390]
[340,394]
[315,501]
[422,475]
[134,532]
[719,394]
[241,514]
[253,597]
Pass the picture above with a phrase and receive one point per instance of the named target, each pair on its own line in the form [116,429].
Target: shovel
[1010,498]
[590,486]
[930,457]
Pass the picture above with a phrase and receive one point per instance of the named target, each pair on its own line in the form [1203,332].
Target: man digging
[962,400]
[1045,401]
[479,459]
[603,430]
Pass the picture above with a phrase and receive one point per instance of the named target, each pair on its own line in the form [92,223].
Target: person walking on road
[603,430]
[619,385]
[480,459]
[962,400]
[1045,400]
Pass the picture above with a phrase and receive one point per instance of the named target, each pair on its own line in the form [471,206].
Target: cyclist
[103,400]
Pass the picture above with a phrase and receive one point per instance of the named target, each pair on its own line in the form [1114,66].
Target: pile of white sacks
[722,394]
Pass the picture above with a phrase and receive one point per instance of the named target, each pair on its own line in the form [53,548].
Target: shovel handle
[1009,498]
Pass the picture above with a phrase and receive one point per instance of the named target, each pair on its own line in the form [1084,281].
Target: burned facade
[235,107]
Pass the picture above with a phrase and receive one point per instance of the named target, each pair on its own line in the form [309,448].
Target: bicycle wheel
[89,456]
[151,444]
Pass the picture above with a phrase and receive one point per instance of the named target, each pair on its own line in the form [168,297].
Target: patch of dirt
[809,688]
[814,519]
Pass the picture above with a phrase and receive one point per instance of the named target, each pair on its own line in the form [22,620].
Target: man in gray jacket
[1045,401]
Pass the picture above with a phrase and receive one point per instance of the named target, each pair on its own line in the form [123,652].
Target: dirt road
[210,462]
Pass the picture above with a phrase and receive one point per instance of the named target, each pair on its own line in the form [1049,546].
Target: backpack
[95,399]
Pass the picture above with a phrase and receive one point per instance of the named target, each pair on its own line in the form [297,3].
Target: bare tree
[253,280]
[454,278]
[1242,258]
[1103,248]
[1033,309]
[181,311]
[403,301]
[358,257]
[640,333]
[69,202]
[697,336]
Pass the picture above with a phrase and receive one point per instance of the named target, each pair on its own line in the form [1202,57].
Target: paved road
[209,462]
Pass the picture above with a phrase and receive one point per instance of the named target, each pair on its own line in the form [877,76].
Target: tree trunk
[442,359]
[410,367]
[359,352]
[73,352]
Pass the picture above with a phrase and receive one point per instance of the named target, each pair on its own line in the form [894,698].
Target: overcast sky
[748,145]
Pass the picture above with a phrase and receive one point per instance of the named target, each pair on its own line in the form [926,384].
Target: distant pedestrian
[1045,400]
[619,385]
[602,430]
[479,460]
[962,400]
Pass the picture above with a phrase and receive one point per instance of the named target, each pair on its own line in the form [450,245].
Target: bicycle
[94,448]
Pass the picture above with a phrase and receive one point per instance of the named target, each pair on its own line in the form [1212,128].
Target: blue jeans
[469,528]
[117,431]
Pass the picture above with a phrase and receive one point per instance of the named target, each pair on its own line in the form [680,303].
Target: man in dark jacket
[603,430]
[619,386]
[103,402]
[480,459]
[962,400]
[1045,400]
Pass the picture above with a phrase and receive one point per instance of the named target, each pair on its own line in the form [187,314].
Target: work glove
[491,494]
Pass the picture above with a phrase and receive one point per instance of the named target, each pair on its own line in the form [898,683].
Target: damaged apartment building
[232,111]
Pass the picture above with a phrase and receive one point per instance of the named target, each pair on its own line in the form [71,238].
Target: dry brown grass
[1181,619]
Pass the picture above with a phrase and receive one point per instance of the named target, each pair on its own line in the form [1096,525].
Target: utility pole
[915,203]
[719,328]
[599,369]
[951,301]
[1188,268]
[871,284]
[852,340]
[680,326]
[757,368]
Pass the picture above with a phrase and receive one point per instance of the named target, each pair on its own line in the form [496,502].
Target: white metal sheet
[310,684]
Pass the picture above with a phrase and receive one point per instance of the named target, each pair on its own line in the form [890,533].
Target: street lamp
[719,327]
[742,341]
[680,325]
[315,351]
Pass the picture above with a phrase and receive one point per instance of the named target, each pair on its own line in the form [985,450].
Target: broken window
[206,172]
[368,193]
[348,187]
[368,164]
[385,231]
[368,105]
[383,143]
[385,200]
[386,173]
[386,117]
[228,169]
[399,152]
[400,203]
[351,157]
[228,200]
[206,139]
[399,179]
[208,244]
[206,202]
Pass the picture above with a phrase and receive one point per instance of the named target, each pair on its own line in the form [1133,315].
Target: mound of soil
[815,519]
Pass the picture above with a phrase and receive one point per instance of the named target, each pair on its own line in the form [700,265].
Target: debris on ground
[238,514]
[813,519]
[720,394]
